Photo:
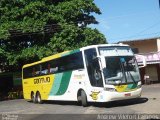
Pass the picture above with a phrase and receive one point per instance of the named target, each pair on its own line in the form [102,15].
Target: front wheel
[83,98]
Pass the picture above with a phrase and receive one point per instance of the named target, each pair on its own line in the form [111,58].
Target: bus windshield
[121,68]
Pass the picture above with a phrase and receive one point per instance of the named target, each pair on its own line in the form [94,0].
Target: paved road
[149,103]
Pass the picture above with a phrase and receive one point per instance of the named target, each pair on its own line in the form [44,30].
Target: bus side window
[49,68]
[44,68]
[27,72]
[33,72]
[37,70]
[54,70]
[52,66]
[93,68]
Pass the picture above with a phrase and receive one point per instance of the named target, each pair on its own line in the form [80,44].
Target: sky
[123,20]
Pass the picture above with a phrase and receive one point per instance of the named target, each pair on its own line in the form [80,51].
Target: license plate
[127,94]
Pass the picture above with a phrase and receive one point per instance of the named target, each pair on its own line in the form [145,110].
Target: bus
[96,73]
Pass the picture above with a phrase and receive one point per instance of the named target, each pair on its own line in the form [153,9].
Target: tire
[79,100]
[38,98]
[33,99]
[83,99]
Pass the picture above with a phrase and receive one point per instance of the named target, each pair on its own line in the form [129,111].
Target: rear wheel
[38,98]
[83,99]
[33,99]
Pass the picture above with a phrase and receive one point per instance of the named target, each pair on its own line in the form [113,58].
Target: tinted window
[71,62]
[27,72]
[66,63]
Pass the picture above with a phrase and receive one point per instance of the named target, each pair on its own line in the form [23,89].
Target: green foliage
[31,30]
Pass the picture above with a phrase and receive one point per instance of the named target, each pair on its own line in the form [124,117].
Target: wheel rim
[38,98]
[32,97]
[84,99]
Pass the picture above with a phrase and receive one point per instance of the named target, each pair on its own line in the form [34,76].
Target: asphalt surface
[149,103]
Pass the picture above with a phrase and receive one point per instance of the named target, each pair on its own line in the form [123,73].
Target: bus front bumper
[114,96]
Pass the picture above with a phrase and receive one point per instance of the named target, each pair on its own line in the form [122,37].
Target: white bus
[96,73]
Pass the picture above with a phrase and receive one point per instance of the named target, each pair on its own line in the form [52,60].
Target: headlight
[139,85]
[110,89]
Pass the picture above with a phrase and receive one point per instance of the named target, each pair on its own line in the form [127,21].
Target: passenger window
[67,63]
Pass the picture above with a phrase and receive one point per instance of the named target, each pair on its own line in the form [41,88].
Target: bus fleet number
[42,80]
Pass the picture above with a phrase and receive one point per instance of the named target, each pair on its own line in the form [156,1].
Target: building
[150,48]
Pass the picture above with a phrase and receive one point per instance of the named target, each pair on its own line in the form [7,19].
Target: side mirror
[102,61]
[142,61]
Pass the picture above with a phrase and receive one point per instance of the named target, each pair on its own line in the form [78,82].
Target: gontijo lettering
[42,80]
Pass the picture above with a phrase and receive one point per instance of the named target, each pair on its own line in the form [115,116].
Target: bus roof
[70,52]
[104,45]
[58,55]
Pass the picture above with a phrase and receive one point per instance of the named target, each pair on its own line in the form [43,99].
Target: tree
[31,30]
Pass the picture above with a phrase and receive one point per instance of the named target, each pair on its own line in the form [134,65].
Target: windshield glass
[121,68]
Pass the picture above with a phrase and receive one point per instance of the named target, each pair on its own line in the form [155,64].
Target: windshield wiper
[131,77]
[114,78]
[129,74]
[123,71]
